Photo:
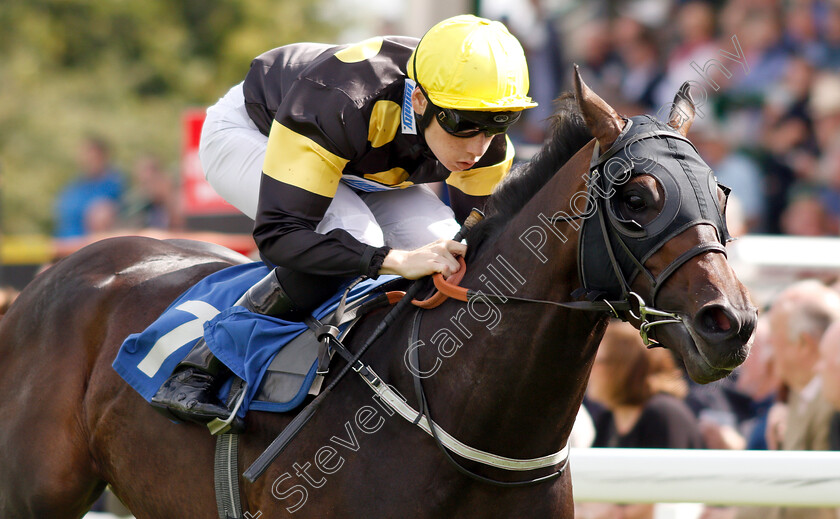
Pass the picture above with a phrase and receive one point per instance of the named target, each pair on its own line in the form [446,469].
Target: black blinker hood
[608,243]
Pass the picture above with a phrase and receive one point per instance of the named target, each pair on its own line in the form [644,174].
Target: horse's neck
[521,373]
[547,251]
[542,253]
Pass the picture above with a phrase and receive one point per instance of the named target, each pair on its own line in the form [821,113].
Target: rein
[630,305]
[634,305]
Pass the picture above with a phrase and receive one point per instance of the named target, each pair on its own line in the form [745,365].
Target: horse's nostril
[716,320]
[721,320]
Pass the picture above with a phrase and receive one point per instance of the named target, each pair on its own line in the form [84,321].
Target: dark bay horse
[504,378]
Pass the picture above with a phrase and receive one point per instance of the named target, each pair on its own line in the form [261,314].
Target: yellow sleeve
[296,160]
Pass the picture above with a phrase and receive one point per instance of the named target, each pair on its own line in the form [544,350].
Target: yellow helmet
[471,63]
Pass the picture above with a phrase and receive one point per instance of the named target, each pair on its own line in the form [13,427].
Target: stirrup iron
[219,426]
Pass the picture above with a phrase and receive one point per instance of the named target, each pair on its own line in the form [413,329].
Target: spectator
[593,51]
[741,422]
[639,54]
[831,36]
[824,108]
[642,393]
[774,85]
[786,108]
[695,23]
[90,203]
[828,369]
[153,200]
[788,149]
[760,35]
[799,318]
[807,216]
[540,36]
[757,378]
[734,169]
[801,36]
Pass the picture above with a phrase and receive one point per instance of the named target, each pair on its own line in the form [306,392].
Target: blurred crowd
[765,75]
[103,199]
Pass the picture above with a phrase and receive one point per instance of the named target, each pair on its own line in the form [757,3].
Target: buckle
[323,357]
[327,330]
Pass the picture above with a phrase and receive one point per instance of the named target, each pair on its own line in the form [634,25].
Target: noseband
[612,251]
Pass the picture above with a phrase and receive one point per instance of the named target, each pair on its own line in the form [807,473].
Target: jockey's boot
[190,392]
[268,297]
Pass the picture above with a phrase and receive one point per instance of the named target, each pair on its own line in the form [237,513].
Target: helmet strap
[423,121]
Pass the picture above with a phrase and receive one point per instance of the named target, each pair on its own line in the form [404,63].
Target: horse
[504,372]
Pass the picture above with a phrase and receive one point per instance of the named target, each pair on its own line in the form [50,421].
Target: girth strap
[399,405]
[416,417]
[226,476]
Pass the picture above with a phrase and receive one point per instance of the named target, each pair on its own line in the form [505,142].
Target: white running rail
[775,478]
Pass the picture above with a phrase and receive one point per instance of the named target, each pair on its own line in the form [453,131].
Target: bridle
[690,200]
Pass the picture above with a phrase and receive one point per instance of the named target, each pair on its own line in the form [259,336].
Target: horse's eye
[635,203]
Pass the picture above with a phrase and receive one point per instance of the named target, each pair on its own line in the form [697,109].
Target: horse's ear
[682,110]
[602,120]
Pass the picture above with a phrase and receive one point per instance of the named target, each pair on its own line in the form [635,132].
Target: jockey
[327,148]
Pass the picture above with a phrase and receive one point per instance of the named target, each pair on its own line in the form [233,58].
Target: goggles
[469,123]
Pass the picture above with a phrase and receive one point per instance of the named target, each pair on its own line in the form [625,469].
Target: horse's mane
[568,135]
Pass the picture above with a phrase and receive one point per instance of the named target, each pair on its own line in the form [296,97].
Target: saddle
[279,361]
[304,362]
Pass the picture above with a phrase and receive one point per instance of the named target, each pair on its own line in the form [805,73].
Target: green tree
[125,70]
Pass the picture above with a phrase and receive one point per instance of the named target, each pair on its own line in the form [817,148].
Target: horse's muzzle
[725,333]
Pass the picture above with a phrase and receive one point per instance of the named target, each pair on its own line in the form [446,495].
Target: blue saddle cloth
[244,341]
